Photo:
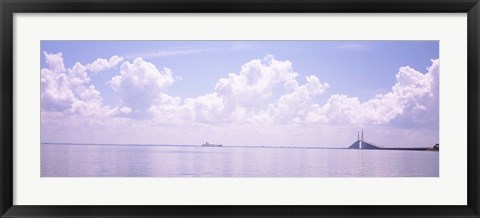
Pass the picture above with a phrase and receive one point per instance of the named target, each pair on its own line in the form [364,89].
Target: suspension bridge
[362,144]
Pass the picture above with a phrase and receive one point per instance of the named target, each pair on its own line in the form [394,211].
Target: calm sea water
[62,160]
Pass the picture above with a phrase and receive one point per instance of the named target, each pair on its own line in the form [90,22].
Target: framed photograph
[239,109]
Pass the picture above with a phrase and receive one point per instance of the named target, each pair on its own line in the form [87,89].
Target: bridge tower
[361,142]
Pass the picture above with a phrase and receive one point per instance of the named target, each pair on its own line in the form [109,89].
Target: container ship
[211,145]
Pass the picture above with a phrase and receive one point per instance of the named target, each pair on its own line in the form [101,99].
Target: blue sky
[381,86]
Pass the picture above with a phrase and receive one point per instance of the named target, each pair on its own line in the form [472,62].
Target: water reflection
[188,161]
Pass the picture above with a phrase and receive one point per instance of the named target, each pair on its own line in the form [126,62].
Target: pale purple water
[61,160]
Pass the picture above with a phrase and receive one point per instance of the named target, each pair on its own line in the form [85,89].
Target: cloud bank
[414,93]
[263,92]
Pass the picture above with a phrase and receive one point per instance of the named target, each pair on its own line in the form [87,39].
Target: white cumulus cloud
[140,83]
[103,64]
[68,89]
[253,85]
[294,106]
[246,97]
[413,92]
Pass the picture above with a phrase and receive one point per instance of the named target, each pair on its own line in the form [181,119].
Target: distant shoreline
[290,147]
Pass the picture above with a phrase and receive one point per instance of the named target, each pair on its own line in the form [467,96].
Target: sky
[253,93]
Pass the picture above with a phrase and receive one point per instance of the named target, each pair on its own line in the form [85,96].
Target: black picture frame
[9,7]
